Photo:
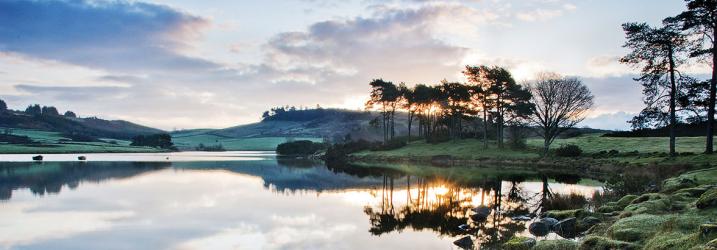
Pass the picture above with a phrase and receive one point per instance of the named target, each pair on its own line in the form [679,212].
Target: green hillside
[48,142]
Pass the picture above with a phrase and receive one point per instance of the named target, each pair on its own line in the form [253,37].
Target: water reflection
[257,204]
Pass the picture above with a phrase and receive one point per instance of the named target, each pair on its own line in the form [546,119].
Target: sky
[181,64]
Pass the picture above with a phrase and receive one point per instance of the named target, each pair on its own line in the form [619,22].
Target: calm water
[249,200]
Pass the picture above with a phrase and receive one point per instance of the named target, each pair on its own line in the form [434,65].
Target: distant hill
[331,123]
[92,126]
[310,124]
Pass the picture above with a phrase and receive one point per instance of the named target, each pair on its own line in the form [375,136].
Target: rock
[549,221]
[464,227]
[37,158]
[556,245]
[521,218]
[708,230]
[481,213]
[608,209]
[539,228]
[519,243]
[566,228]
[599,242]
[712,245]
[587,222]
[81,158]
[626,200]
[564,214]
[465,242]
[708,199]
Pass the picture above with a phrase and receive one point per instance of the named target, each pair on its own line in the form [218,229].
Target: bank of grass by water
[190,140]
[637,151]
[464,175]
[46,142]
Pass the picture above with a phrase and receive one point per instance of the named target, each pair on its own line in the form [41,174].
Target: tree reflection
[443,206]
[51,177]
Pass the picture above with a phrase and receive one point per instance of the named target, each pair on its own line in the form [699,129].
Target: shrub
[518,137]
[565,202]
[302,147]
[568,151]
[15,139]
[157,140]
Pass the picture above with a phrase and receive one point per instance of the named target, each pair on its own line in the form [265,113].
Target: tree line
[663,53]
[488,102]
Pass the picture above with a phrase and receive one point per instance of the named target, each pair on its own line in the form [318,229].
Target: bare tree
[560,104]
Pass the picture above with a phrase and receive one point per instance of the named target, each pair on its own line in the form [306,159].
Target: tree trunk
[485,128]
[673,90]
[713,87]
[410,117]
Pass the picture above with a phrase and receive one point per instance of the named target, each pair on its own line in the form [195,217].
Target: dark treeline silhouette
[163,141]
[484,107]
[42,178]
[291,113]
[661,53]
[299,148]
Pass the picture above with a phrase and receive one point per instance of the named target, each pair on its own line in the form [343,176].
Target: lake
[252,200]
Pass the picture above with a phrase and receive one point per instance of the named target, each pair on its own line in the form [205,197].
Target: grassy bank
[191,139]
[638,151]
[55,143]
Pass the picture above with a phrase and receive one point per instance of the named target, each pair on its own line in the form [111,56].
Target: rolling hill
[92,126]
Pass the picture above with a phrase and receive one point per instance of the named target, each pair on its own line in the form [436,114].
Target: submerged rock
[519,243]
[539,228]
[464,227]
[481,213]
[521,218]
[566,228]
[465,242]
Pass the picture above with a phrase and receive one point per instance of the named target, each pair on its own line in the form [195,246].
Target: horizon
[185,64]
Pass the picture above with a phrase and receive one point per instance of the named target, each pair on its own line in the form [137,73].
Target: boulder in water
[37,158]
[539,228]
[465,242]
[549,221]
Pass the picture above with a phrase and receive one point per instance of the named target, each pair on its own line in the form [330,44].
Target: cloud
[610,121]
[115,35]
[85,93]
[392,43]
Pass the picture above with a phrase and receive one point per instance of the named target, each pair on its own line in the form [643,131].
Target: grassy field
[190,140]
[464,149]
[592,143]
[649,150]
[55,143]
